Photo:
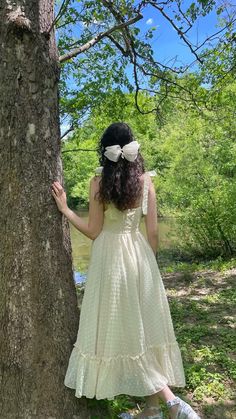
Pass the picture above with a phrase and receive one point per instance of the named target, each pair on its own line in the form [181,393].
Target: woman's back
[126,342]
[127,221]
[122,222]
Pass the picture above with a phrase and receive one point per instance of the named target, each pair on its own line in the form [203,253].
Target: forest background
[168,69]
[180,102]
[184,119]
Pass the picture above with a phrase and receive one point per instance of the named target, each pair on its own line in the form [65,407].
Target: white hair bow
[129,151]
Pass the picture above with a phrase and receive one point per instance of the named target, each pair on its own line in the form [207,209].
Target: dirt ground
[203,309]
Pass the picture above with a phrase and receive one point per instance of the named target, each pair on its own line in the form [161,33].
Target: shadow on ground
[203,306]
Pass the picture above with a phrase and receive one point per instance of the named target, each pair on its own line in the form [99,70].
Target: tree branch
[120,19]
[212,37]
[118,46]
[78,149]
[97,38]
[67,132]
[180,33]
[61,11]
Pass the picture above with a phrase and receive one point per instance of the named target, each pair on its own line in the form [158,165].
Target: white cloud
[149,21]
[94,22]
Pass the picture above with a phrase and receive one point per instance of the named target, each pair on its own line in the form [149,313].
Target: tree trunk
[38,306]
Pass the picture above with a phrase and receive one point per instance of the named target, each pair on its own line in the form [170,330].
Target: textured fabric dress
[126,342]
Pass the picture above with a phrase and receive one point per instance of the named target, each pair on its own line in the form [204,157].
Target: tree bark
[38,305]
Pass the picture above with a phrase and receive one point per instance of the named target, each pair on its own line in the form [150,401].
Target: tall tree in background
[38,307]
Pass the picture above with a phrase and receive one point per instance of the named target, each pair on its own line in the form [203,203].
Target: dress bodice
[126,221]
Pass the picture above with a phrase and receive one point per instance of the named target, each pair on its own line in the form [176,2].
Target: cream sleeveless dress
[126,342]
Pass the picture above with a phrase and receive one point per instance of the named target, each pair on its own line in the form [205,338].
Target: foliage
[79,166]
[198,183]
[190,141]
[189,138]
[194,155]
[126,58]
[219,264]
[202,313]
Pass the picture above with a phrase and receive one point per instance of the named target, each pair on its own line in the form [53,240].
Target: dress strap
[145,193]
[98,170]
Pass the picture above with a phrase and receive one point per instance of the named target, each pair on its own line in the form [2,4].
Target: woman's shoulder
[95,182]
[152,173]
[148,176]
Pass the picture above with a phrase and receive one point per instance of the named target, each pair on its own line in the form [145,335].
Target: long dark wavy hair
[120,181]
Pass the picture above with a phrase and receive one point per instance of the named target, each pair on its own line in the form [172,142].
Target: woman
[126,342]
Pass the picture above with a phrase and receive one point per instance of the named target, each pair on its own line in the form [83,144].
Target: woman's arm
[151,218]
[93,226]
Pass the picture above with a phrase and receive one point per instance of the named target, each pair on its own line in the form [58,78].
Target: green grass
[218,264]
[202,302]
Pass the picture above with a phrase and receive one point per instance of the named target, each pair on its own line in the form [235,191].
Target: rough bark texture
[38,307]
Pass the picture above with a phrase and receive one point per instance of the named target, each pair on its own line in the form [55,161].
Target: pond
[81,245]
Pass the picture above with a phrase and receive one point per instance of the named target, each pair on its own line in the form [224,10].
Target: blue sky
[166,42]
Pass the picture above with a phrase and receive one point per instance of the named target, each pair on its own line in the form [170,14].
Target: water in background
[81,245]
